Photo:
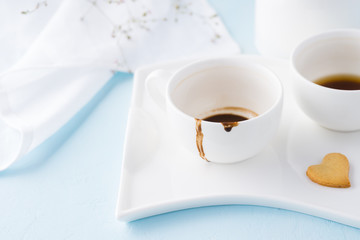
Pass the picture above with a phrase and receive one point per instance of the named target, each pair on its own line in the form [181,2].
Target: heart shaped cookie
[332,172]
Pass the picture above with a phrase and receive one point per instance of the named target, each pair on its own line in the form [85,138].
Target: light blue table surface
[67,188]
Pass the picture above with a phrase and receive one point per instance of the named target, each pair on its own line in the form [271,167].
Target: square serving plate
[159,176]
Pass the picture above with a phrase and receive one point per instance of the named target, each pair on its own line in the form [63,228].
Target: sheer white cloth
[71,58]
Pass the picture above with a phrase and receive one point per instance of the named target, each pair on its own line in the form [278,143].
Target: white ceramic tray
[160,176]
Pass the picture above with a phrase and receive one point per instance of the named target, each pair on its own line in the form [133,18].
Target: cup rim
[241,61]
[329,34]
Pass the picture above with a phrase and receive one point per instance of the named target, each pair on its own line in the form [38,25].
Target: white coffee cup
[328,53]
[211,86]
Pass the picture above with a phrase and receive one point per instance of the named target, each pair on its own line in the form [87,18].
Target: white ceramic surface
[158,176]
[332,52]
[207,87]
[281,24]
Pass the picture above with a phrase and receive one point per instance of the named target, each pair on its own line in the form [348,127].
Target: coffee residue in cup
[340,81]
[228,120]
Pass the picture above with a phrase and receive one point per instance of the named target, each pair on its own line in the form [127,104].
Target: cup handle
[155,85]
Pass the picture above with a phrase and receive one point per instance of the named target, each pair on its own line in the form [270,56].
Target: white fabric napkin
[72,57]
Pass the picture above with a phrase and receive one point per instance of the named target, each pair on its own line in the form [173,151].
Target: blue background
[67,188]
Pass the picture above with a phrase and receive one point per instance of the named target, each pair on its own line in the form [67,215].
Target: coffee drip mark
[229,125]
[199,139]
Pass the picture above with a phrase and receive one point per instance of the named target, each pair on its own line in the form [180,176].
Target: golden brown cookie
[332,172]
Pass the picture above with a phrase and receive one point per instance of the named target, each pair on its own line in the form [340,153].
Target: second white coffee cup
[329,53]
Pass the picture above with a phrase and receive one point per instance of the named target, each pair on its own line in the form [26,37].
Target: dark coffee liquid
[228,120]
[225,118]
[340,81]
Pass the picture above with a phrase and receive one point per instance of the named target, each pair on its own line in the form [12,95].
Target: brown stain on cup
[199,139]
[227,118]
